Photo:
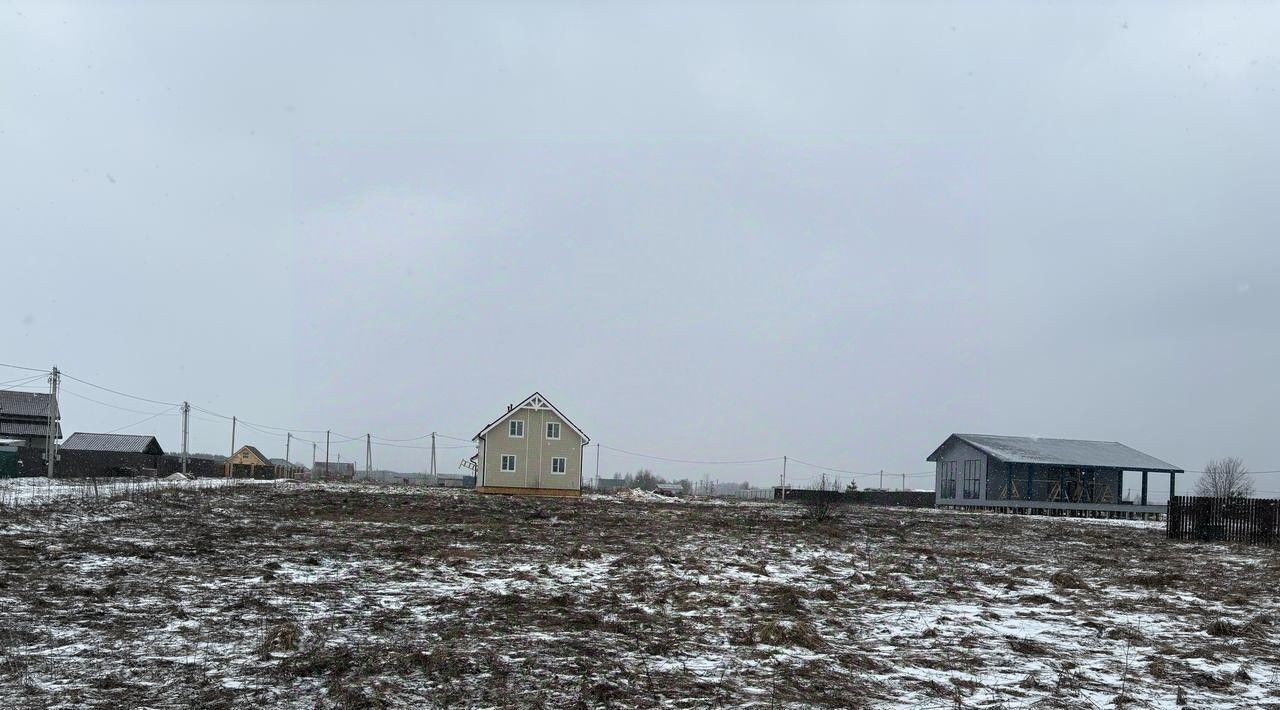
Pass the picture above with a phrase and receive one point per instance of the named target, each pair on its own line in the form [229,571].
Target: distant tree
[646,481]
[1225,478]
[853,486]
[745,486]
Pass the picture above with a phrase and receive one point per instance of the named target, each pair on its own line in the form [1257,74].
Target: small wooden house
[532,449]
[249,462]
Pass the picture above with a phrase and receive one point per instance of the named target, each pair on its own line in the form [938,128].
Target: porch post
[1119,486]
[1144,487]
[1008,486]
[1062,483]
[1031,474]
[1173,479]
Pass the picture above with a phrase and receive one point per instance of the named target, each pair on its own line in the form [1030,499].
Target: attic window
[515,428]
[553,430]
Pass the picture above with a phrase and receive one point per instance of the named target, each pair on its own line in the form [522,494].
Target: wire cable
[73,393]
[143,421]
[117,392]
[692,461]
[28,369]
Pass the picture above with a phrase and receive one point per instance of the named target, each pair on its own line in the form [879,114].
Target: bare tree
[1225,478]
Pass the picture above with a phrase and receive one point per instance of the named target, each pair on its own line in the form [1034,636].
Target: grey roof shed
[1061,452]
[119,443]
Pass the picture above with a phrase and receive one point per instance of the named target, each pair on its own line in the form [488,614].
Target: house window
[508,462]
[516,428]
[553,430]
[950,472]
[972,478]
[558,464]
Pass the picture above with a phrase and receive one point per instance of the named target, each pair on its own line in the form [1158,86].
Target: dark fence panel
[1252,521]
[908,499]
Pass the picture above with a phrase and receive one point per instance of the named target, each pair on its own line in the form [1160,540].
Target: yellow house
[532,449]
[249,462]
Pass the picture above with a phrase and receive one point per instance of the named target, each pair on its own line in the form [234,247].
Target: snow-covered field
[308,596]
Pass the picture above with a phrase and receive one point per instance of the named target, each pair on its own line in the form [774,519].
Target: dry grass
[347,597]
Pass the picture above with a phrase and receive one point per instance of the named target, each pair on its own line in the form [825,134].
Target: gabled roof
[1060,452]
[534,401]
[26,404]
[122,443]
[254,450]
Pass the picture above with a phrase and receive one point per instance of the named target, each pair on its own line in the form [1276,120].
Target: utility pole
[904,481]
[597,467]
[882,479]
[313,460]
[186,412]
[368,455]
[433,458]
[288,465]
[326,453]
[784,479]
[50,444]
[233,445]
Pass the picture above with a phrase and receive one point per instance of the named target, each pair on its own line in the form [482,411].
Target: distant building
[249,462]
[1042,475]
[118,443]
[333,471]
[608,485]
[25,416]
[86,454]
[532,449]
[670,489]
[287,469]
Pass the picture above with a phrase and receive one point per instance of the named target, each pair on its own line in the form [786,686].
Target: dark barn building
[1043,475]
[86,454]
[25,416]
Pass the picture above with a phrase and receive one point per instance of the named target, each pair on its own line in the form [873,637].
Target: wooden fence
[1252,521]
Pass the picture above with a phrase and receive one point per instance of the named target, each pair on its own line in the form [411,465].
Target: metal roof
[24,430]
[25,404]
[1061,452]
[121,443]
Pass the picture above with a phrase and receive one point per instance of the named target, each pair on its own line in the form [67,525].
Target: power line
[10,387]
[705,463]
[105,404]
[28,369]
[117,392]
[144,421]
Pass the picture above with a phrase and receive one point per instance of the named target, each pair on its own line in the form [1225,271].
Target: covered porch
[1057,489]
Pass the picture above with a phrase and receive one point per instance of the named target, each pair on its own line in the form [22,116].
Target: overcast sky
[837,232]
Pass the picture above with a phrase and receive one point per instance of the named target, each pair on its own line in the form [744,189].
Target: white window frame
[502,464]
[512,425]
[564,465]
[557,426]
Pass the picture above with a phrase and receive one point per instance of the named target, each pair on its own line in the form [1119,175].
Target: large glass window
[972,479]
[950,472]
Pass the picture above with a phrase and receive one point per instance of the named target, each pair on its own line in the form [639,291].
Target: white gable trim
[535,402]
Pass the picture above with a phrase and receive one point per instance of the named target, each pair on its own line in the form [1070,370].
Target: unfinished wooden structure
[1045,476]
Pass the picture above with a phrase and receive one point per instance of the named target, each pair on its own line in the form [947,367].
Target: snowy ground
[308,596]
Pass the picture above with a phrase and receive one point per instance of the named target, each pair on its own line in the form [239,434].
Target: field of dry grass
[349,596]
